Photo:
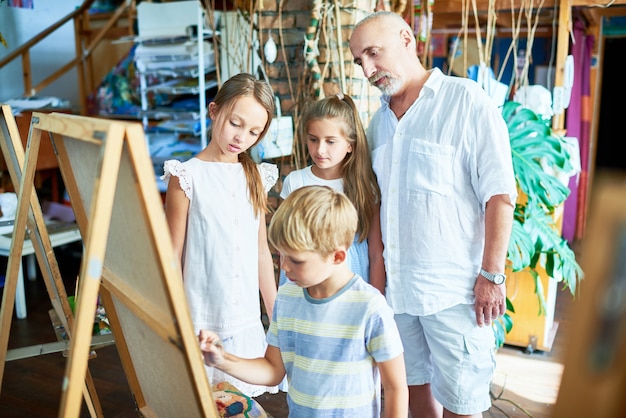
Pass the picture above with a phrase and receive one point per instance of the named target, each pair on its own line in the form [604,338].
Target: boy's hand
[211,347]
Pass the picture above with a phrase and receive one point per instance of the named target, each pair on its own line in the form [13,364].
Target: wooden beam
[562,50]
[505,19]
[455,6]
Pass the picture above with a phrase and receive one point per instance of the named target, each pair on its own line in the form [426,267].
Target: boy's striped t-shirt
[330,348]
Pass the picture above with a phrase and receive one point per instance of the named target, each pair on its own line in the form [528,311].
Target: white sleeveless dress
[220,261]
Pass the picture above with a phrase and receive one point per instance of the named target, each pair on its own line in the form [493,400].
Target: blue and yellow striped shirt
[330,348]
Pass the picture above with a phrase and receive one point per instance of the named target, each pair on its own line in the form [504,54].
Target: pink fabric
[578,122]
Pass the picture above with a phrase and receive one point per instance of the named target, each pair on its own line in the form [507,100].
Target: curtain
[578,125]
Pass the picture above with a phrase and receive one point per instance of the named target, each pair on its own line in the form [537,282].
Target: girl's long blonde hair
[359,180]
[234,88]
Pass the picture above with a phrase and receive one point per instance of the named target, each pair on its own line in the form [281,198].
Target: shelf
[182,69]
[181,86]
[184,126]
[180,58]
[175,60]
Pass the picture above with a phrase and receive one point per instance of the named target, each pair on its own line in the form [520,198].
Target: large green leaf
[521,247]
[565,268]
[503,325]
[539,225]
[539,293]
[538,154]
[539,157]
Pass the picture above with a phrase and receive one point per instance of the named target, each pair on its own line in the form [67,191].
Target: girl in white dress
[337,145]
[216,216]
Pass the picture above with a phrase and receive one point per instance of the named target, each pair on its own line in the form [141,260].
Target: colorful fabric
[118,94]
[578,125]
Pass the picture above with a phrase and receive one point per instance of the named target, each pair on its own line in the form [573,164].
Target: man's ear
[339,256]
[406,36]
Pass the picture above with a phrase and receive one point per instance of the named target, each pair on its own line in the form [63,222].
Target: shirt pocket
[429,168]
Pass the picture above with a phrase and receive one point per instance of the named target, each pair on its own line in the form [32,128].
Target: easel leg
[91,397]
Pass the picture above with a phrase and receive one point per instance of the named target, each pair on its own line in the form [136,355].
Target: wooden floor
[525,384]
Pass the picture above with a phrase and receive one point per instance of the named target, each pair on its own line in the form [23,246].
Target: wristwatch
[497,278]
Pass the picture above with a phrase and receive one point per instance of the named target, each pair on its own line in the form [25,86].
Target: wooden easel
[594,377]
[30,215]
[129,261]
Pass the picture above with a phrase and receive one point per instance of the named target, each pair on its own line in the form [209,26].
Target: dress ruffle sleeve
[269,175]
[175,168]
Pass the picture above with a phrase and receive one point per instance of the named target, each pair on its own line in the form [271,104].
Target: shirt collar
[432,86]
[434,81]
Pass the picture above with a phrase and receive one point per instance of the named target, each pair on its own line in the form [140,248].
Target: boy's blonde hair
[314,219]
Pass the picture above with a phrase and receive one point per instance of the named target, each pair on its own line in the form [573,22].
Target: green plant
[539,155]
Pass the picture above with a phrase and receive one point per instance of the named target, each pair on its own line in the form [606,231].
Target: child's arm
[176,208]
[268,370]
[267,277]
[378,277]
[393,376]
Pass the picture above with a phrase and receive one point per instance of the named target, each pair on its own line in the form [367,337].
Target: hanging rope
[514,39]
[342,64]
[209,8]
[530,40]
[422,28]
[527,11]
[465,35]
[479,40]
[281,39]
[492,19]
[311,50]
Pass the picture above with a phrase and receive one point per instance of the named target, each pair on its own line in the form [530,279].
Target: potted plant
[536,245]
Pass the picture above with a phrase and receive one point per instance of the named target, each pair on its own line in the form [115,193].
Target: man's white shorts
[457,357]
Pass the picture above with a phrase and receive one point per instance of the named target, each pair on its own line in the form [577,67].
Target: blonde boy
[332,334]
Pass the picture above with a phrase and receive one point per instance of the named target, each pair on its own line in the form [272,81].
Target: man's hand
[490,301]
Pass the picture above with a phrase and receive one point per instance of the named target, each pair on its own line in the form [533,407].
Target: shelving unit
[176,66]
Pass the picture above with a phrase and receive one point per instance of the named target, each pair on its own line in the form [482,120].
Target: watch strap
[497,278]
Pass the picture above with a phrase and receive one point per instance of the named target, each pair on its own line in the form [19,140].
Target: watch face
[497,278]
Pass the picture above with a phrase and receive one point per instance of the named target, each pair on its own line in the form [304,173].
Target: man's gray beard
[391,88]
